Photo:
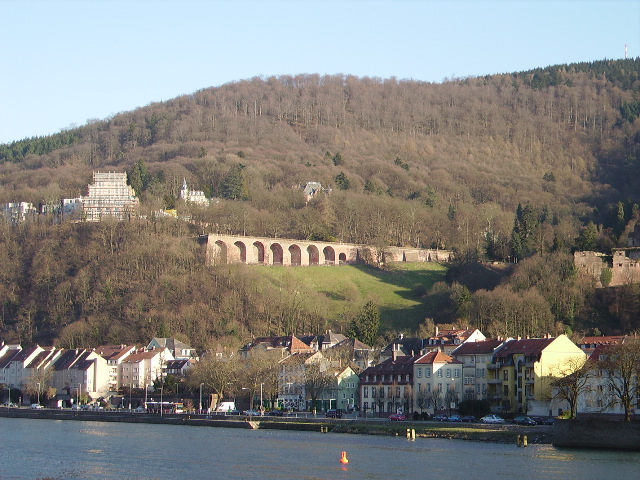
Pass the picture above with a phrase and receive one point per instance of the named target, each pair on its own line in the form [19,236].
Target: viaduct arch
[223,249]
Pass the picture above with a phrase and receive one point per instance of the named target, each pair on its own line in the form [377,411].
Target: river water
[57,449]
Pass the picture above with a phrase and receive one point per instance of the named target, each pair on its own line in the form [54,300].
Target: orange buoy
[344,458]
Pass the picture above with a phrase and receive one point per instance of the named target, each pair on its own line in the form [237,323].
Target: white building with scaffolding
[109,196]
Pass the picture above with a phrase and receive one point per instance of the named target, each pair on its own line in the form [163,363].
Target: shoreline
[505,434]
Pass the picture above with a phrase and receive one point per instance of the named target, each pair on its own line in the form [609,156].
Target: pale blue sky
[64,62]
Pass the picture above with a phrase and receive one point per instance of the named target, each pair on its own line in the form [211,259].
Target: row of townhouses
[93,373]
[435,374]
[512,375]
[424,375]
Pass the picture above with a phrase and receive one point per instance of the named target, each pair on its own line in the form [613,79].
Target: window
[365,392]
[448,372]
[505,375]
[427,372]
[344,395]
[456,373]
[397,391]
[373,392]
[419,372]
[439,387]
[473,359]
[439,374]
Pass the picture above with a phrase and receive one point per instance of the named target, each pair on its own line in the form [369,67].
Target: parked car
[397,417]
[140,409]
[76,407]
[334,413]
[492,419]
[36,406]
[522,420]
[454,418]
[252,413]
[440,418]
[9,405]
[276,413]
[548,421]
[469,419]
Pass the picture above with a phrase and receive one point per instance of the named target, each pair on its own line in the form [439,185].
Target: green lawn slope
[398,289]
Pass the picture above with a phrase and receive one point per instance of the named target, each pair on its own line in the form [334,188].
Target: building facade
[387,388]
[521,371]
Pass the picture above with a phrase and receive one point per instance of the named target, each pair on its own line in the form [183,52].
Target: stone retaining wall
[597,433]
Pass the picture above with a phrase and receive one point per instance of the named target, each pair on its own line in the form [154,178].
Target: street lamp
[200,403]
[130,389]
[38,392]
[161,406]
[452,394]
[289,401]
[78,395]
[261,405]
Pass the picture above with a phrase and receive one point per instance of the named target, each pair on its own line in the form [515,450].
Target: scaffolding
[109,196]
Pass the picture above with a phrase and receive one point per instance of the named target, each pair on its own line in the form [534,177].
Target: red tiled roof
[436,357]
[478,348]
[602,340]
[528,346]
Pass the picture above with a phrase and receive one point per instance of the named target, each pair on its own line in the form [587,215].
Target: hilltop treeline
[503,167]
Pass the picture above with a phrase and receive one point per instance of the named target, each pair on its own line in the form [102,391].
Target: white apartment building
[437,380]
[142,367]
[115,355]
[476,358]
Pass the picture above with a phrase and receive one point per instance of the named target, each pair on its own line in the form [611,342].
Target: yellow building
[519,375]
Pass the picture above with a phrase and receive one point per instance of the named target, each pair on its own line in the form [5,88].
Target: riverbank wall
[597,433]
[509,434]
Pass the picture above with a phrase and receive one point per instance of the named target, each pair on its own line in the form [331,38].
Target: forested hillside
[510,167]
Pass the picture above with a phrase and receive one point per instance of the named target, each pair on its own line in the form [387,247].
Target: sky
[68,62]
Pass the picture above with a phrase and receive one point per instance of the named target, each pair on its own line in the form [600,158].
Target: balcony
[494,381]
[494,366]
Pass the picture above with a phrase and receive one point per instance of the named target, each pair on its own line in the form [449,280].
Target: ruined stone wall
[625,266]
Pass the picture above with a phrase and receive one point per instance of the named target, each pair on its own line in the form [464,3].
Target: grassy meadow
[398,289]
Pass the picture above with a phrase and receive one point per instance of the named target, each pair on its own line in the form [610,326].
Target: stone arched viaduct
[223,249]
